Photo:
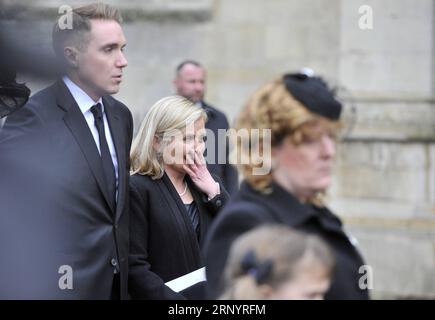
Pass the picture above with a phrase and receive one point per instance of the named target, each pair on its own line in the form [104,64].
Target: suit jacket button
[218,203]
[113,262]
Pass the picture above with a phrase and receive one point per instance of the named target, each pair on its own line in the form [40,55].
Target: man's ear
[71,56]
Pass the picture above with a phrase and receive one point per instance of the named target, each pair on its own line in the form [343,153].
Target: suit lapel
[180,214]
[170,193]
[118,138]
[76,123]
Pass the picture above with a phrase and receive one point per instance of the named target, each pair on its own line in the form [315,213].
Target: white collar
[84,101]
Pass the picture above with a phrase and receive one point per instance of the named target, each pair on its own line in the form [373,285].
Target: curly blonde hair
[273,108]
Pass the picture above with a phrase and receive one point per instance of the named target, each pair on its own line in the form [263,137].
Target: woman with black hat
[303,118]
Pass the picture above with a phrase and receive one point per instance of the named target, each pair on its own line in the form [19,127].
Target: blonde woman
[303,118]
[276,262]
[173,198]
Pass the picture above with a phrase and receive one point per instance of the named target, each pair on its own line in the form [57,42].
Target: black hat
[314,94]
[12,97]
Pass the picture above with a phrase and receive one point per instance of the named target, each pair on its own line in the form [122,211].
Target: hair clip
[260,271]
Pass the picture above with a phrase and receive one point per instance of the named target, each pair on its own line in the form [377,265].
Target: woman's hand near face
[196,168]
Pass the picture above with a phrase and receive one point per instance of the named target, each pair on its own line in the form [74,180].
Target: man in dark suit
[190,82]
[66,161]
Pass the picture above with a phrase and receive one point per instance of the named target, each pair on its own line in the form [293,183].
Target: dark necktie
[106,158]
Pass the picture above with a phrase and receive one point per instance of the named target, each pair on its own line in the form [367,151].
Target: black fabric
[116,287]
[12,97]
[314,94]
[106,158]
[250,209]
[163,243]
[57,210]
[192,211]
[195,292]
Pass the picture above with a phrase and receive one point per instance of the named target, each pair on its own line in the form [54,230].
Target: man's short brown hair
[81,26]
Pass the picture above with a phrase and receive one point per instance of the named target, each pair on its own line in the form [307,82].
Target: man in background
[190,82]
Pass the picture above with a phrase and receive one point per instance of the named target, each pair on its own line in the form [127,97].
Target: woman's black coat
[250,208]
[163,243]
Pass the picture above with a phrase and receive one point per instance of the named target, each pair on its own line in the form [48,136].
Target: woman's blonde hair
[271,255]
[166,118]
[273,108]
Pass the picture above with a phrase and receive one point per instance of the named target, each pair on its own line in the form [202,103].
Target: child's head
[276,262]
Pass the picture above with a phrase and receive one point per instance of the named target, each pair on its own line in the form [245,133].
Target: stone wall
[384,186]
